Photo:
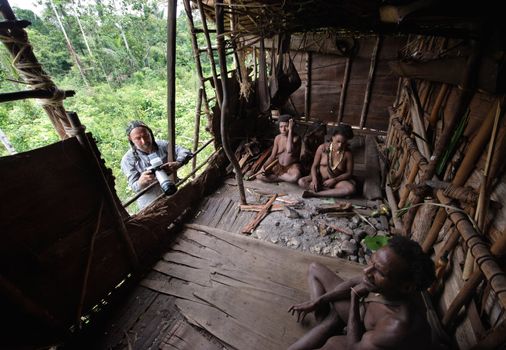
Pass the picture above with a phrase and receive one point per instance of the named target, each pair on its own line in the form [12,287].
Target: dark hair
[345,130]
[420,267]
[284,118]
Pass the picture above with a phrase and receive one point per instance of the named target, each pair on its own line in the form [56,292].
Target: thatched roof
[443,18]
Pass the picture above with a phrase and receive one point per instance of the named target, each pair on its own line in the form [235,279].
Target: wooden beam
[43,94]
[370,79]
[171,83]
[250,227]
[14,24]
[344,88]
[307,91]
[220,28]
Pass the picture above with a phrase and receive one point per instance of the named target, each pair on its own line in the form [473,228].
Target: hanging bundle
[284,79]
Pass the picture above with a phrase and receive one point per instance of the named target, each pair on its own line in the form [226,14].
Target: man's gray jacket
[133,167]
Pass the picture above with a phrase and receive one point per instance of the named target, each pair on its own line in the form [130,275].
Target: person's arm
[289,139]
[273,155]
[182,155]
[136,180]
[340,292]
[387,332]
[315,166]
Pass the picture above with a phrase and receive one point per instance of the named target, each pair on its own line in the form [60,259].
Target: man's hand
[146,178]
[290,124]
[170,167]
[304,308]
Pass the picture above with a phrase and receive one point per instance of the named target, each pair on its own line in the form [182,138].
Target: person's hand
[146,178]
[304,308]
[170,167]
[329,183]
[315,185]
[290,124]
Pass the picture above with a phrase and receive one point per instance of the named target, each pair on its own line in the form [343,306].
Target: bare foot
[308,194]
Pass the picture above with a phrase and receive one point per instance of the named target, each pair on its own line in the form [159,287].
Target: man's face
[141,138]
[283,128]
[386,273]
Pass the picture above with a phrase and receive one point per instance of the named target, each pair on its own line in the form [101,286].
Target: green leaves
[375,242]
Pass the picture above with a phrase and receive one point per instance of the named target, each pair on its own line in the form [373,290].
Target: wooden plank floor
[217,289]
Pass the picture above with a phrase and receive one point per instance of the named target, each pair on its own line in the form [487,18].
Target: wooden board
[183,336]
[237,288]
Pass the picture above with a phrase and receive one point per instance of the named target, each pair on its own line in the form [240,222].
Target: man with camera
[146,162]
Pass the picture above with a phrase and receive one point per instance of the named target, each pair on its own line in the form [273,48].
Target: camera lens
[168,188]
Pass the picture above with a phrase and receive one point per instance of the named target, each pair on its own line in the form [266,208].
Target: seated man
[381,310]
[283,163]
[332,169]
[136,160]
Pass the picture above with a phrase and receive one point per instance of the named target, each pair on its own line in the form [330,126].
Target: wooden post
[344,88]
[405,191]
[370,79]
[255,67]
[210,52]
[307,93]
[437,105]
[171,82]
[220,30]
[196,131]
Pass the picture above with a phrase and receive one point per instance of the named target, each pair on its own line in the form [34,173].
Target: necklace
[340,157]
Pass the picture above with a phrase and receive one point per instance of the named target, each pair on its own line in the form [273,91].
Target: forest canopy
[115,60]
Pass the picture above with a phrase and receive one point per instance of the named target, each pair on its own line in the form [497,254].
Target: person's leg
[305,182]
[341,189]
[293,174]
[320,280]
[337,342]
[268,178]
[318,335]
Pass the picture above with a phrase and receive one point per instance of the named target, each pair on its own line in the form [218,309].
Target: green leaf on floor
[375,242]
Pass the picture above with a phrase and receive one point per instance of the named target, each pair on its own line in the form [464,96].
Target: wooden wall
[327,72]
[50,214]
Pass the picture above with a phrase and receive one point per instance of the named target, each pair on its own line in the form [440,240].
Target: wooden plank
[183,336]
[250,227]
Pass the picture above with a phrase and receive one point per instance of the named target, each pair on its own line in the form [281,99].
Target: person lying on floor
[283,163]
[381,309]
[332,169]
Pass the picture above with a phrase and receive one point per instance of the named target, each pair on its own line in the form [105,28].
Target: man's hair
[345,130]
[284,118]
[139,124]
[420,268]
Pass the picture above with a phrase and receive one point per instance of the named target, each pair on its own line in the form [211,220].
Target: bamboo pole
[481,207]
[344,89]
[417,114]
[210,52]
[42,94]
[434,115]
[405,190]
[479,249]
[393,207]
[224,107]
[370,79]
[307,91]
[196,132]
[171,83]
[436,226]
[493,340]
[467,92]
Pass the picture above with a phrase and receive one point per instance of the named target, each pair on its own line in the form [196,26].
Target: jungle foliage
[121,47]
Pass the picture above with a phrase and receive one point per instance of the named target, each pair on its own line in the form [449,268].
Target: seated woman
[331,172]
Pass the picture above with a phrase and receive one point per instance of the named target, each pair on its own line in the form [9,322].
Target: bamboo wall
[474,275]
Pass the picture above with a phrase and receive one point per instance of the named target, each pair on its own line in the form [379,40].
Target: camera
[168,187]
